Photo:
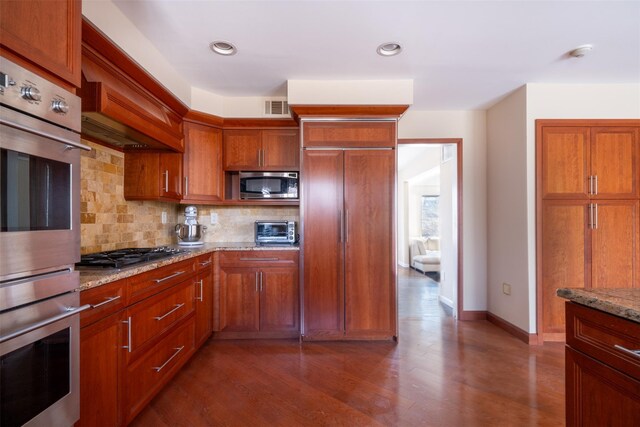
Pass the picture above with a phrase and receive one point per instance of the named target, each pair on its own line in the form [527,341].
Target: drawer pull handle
[634,353]
[159,368]
[204,264]
[259,259]
[106,301]
[177,273]
[177,307]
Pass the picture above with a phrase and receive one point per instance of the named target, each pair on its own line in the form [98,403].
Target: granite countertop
[621,302]
[92,278]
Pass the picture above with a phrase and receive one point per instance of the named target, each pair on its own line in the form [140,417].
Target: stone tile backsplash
[108,221]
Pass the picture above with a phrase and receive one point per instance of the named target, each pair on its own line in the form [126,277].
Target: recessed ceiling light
[223,48]
[581,51]
[389,49]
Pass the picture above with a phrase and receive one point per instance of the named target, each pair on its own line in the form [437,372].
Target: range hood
[118,110]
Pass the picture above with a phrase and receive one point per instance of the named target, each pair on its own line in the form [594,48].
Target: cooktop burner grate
[126,257]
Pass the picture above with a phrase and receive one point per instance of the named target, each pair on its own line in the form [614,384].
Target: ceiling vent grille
[276,108]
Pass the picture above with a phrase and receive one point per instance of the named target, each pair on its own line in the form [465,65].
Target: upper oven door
[39,195]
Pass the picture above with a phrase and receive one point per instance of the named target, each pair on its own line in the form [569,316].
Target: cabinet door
[566,241]
[322,243]
[45,32]
[101,365]
[279,299]
[280,150]
[615,243]
[242,150]
[598,395]
[370,295]
[614,162]
[202,163]
[204,304]
[564,154]
[171,175]
[239,299]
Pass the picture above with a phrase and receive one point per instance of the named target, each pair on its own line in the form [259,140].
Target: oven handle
[44,134]
[71,311]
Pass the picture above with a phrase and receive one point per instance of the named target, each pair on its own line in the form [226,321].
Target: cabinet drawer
[105,300]
[157,366]
[258,258]
[604,337]
[154,281]
[156,315]
[203,262]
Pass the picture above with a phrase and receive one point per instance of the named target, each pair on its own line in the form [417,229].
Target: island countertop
[90,278]
[621,302]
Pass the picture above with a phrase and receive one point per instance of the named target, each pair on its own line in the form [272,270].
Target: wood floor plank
[440,373]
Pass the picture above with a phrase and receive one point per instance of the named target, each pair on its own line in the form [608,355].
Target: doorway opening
[429,225]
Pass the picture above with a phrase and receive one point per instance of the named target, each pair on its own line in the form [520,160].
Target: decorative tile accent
[108,221]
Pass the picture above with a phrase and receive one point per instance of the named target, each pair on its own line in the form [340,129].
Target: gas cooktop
[126,257]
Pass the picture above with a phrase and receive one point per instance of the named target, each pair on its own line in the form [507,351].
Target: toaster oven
[276,232]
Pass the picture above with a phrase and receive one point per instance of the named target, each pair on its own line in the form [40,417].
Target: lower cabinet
[602,368]
[136,337]
[258,294]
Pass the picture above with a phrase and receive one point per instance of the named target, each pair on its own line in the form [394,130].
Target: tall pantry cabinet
[588,180]
[348,196]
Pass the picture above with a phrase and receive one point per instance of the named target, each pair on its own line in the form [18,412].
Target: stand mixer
[190,233]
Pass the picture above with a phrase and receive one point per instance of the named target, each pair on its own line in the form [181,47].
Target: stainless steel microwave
[276,232]
[268,185]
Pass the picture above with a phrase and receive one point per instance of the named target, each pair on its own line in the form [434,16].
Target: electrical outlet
[214,218]
[163,217]
[506,289]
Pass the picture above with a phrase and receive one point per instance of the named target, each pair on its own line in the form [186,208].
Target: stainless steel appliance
[39,243]
[276,232]
[121,258]
[190,233]
[268,185]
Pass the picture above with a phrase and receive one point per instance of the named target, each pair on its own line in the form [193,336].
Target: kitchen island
[602,356]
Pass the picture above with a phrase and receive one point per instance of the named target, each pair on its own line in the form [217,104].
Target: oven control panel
[29,93]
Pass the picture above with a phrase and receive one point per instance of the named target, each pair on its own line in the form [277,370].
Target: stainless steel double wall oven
[39,244]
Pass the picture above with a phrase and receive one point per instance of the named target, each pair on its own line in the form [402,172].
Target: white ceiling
[461,54]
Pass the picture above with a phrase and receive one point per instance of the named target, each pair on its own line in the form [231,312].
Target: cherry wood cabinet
[204,299]
[580,162]
[261,149]
[588,193]
[153,176]
[349,274]
[44,36]
[351,134]
[602,381]
[202,164]
[258,294]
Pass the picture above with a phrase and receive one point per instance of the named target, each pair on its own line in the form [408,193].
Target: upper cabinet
[261,149]
[153,176]
[582,162]
[44,36]
[202,163]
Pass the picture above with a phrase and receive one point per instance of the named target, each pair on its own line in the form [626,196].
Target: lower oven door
[39,363]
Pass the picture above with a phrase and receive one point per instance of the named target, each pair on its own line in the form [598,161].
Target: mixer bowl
[190,233]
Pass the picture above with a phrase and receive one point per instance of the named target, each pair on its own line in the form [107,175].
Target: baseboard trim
[445,301]
[473,315]
[403,264]
[522,335]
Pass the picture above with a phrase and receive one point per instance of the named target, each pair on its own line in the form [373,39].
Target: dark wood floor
[440,373]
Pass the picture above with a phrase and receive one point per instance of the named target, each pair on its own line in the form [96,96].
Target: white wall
[114,24]
[508,245]
[448,232]
[389,92]
[471,127]
[512,255]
